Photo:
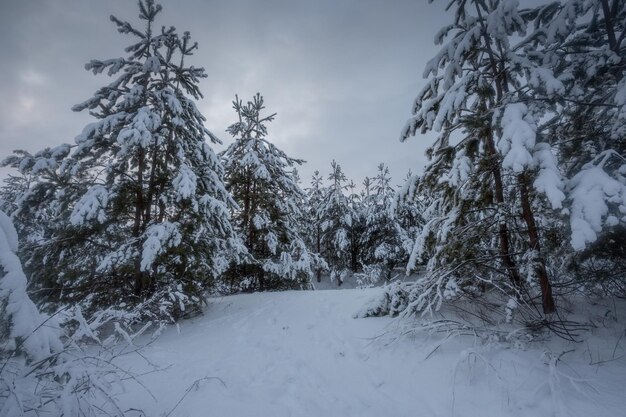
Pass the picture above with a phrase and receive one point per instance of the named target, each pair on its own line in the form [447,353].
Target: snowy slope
[302,354]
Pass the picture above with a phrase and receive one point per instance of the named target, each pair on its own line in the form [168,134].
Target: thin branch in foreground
[194,386]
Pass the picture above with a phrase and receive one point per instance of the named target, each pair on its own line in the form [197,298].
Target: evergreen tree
[490,170]
[585,43]
[22,325]
[357,227]
[313,218]
[383,237]
[270,204]
[409,208]
[137,210]
[337,216]
[14,186]
[529,106]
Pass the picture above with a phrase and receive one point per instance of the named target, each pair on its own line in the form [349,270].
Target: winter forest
[153,266]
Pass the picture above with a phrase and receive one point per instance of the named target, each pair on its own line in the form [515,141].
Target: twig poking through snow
[194,386]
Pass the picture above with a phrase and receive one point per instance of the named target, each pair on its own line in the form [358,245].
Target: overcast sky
[341,74]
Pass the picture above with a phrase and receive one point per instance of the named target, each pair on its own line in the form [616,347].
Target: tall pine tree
[337,221]
[138,213]
[585,44]
[313,217]
[490,170]
[260,178]
[382,237]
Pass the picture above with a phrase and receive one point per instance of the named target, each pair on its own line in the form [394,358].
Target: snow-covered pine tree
[23,329]
[409,208]
[269,205]
[367,190]
[383,237]
[357,227]
[137,207]
[14,186]
[295,176]
[337,216]
[301,224]
[585,42]
[490,170]
[45,368]
[315,195]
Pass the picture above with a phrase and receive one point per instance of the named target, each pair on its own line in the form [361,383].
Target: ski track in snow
[300,353]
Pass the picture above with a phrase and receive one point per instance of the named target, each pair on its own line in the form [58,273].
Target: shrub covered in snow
[43,368]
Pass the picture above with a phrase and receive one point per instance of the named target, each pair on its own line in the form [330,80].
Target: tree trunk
[503,230]
[318,246]
[354,253]
[608,22]
[547,300]
[261,280]
[247,224]
[140,276]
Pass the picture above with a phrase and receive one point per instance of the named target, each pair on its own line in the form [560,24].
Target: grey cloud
[340,74]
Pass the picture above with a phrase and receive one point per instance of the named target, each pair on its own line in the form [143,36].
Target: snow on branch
[31,331]
[593,192]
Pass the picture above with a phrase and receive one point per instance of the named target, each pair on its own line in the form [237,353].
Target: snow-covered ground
[300,353]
